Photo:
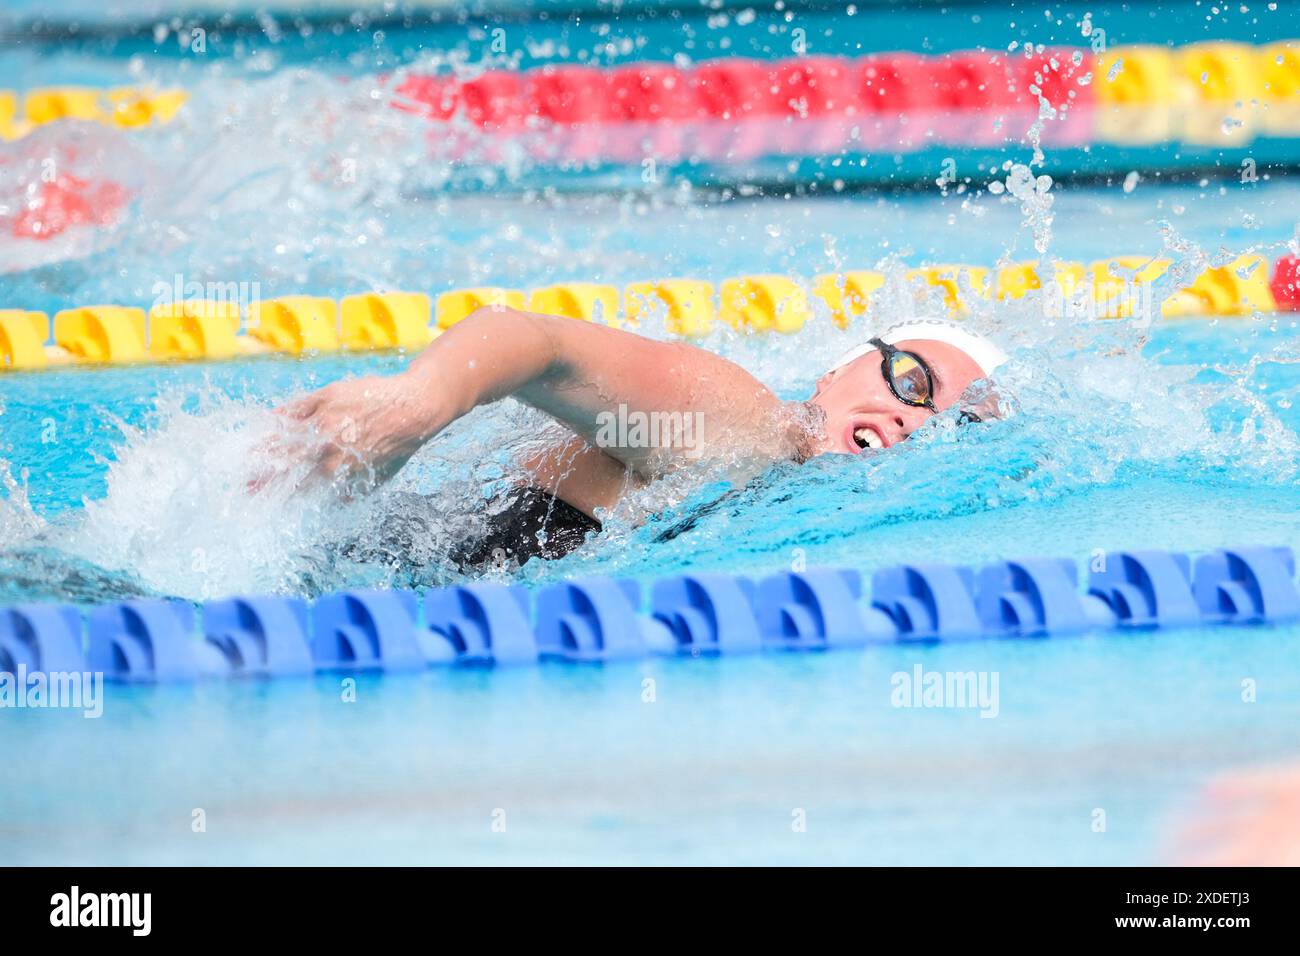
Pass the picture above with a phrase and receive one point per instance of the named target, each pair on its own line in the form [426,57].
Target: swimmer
[583,374]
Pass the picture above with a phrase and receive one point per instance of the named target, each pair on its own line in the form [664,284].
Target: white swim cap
[983,352]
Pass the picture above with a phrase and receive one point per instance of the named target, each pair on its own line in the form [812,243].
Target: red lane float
[651,105]
[1285,283]
[737,109]
[732,100]
[65,202]
[573,101]
[435,97]
[897,94]
[1055,75]
[978,104]
[816,100]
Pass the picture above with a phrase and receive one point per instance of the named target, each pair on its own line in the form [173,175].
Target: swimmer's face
[862,412]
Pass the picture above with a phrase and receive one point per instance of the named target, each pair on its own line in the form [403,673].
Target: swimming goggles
[910,379]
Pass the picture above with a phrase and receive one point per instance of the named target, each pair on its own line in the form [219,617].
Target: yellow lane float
[764,303]
[848,294]
[295,323]
[194,329]
[686,304]
[589,301]
[125,106]
[1238,288]
[453,306]
[1121,286]
[961,285]
[22,339]
[101,334]
[1219,87]
[1115,288]
[388,320]
[1278,65]
[1136,100]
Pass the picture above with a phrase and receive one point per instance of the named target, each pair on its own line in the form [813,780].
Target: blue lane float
[598,620]
[929,602]
[708,613]
[147,641]
[262,636]
[367,630]
[818,609]
[1037,597]
[1247,585]
[41,638]
[1147,589]
[481,624]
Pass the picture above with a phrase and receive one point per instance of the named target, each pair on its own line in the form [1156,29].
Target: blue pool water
[125,482]
[712,772]
[1150,448]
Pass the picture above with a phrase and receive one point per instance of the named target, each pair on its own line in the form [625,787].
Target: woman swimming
[637,409]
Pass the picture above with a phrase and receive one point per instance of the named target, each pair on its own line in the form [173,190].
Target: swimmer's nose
[901,426]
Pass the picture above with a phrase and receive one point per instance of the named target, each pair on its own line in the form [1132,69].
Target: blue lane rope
[601,619]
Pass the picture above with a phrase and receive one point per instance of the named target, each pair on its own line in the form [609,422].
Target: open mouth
[867,437]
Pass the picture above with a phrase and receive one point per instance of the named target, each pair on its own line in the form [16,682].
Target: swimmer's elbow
[509,349]
[489,319]
[506,325]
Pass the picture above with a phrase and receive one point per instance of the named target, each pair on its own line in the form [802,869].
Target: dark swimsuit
[536,524]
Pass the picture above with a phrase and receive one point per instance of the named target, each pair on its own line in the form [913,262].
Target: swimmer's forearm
[578,372]
[487,356]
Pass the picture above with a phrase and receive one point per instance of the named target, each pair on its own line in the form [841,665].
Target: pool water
[714,770]
[1180,435]
[1188,444]
[132,481]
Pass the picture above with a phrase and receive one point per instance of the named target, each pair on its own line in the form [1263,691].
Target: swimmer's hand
[358,432]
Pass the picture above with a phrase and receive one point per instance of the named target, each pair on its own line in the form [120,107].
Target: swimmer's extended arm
[573,370]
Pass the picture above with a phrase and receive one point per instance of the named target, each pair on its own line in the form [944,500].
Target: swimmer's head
[931,364]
